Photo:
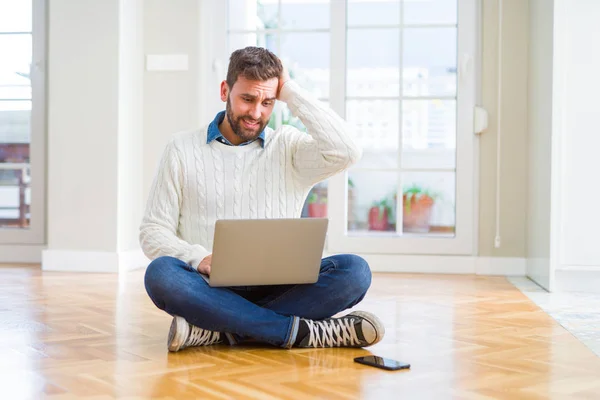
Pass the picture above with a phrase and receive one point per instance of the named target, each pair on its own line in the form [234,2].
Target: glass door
[409,90]
[22,115]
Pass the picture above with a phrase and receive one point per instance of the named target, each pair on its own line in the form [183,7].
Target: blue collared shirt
[215,134]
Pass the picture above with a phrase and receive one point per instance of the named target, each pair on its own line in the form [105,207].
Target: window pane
[300,14]
[283,116]
[375,125]
[15,16]
[429,202]
[15,133]
[373,62]
[428,124]
[429,59]
[430,12]
[306,55]
[18,89]
[251,15]
[15,126]
[361,13]
[268,14]
[15,64]
[371,201]
[240,40]
[430,158]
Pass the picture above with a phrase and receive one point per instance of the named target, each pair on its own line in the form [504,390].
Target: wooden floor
[65,335]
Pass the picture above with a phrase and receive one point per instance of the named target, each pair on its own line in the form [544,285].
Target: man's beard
[240,130]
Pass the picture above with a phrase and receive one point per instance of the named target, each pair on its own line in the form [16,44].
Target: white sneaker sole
[373,320]
[178,333]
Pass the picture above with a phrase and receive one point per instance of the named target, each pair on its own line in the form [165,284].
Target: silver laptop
[267,251]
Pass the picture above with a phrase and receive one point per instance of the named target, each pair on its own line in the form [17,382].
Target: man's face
[249,105]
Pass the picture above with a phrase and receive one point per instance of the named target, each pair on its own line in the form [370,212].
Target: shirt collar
[214,132]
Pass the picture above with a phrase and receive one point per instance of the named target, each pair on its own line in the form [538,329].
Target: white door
[22,127]
[403,73]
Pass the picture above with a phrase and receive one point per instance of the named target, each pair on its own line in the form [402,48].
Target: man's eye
[247,100]
[268,103]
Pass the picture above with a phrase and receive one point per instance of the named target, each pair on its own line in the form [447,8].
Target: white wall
[580,214]
[540,78]
[170,97]
[109,120]
[565,131]
[94,135]
[130,117]
[514,146]
[82,108]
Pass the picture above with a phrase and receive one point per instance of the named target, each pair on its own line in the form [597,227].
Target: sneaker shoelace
[333,332]
[202,337]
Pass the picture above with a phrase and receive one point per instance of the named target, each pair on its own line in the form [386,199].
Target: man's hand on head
[204,266]
[285,76]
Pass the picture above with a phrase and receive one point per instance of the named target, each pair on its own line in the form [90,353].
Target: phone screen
[381,362]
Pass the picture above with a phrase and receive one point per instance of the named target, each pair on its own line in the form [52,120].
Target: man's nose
[255,111]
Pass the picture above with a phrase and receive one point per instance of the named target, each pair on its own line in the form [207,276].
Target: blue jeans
[269,314]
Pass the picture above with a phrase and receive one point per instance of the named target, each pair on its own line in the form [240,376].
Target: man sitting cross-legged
[238,168]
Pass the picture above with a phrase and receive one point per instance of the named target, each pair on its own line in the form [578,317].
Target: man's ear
[224,90]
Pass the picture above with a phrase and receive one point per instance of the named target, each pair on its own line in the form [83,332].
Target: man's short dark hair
[253,63]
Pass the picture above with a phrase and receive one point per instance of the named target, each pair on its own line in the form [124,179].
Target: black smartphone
[380,362]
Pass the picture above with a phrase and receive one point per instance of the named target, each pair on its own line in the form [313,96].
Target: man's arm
[328,148]
[158,231]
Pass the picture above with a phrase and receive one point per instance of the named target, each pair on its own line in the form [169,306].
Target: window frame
[36,232]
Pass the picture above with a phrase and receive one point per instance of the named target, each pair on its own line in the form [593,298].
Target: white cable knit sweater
[198,183]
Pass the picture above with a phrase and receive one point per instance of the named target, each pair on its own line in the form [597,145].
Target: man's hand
[285,76]
[204,266]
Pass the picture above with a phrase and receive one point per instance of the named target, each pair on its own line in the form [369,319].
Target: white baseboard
[80,261]
[509,266]
[132,259]
[420,264]
[503,266]
[21,253]
[93,261]
[577,279]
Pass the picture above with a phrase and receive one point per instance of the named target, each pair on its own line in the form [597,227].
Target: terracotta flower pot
[378,219]
[417,213]
[317,210]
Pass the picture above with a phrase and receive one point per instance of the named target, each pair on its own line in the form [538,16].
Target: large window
[21,121]
[401,72]
[401,96]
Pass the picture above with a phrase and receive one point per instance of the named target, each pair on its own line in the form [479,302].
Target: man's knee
[157,278]
[359,270]
[159,267]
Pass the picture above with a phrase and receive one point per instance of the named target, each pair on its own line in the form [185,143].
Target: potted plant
[418,204]
[379,215]
[317,206]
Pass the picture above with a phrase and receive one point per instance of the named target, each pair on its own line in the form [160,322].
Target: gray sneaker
[182,335]
[357,329]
